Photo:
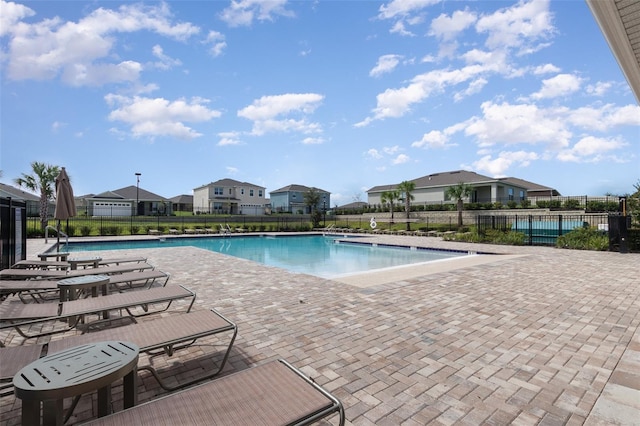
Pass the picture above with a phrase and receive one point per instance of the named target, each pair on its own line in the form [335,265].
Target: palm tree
[406,188]
[42,180]
[390,197]
[458,193]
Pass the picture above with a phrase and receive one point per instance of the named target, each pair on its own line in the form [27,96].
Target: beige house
[431,189]
[228,196]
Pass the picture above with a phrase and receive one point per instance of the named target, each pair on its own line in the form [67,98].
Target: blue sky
[340,95]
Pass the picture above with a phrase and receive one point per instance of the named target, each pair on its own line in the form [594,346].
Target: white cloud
[386,64]
[373,153]
[403,8]
[217,42]
[264,111]
[391,150]
[546,69]
[447,28]
[57,125]
[515,124]
[591,149]
[159,117]
[50,48]
[560,85]
[232,170]
[242,13]
[229,138]
[313,141]
[518,26]
[600,88]
[604,117]
[497,167]
[433,139]
[397,102]
[401,159]
[165,62]
[12,14]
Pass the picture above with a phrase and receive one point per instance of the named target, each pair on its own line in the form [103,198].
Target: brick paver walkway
[547,338]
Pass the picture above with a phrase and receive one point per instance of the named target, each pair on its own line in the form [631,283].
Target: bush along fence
[597,232]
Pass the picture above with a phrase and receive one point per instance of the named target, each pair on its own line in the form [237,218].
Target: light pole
[138,193]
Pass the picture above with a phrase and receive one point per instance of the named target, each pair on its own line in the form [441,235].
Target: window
[230,191]
[510,194]
[251,193]
[521,195]
[259,192]
[218,191]
[242,191]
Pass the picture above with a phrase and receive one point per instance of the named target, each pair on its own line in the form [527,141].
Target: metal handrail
[46,234]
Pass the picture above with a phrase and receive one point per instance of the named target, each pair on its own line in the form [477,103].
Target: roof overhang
[619,21]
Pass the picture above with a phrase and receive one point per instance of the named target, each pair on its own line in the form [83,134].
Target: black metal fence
[541,229]
[141,225]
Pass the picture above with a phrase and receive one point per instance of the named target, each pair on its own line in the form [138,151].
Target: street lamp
[138,193]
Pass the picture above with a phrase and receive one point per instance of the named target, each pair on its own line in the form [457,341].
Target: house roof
[296,188]
[354,205]
[182,199]
[17,193]
[441,179]
[457,176]
[530,186]
[226,182]
[130,193]
[619,21]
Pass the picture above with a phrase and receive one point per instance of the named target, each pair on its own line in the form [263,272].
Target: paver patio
[548,337]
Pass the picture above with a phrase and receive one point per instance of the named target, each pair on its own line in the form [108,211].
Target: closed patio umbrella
[65,203]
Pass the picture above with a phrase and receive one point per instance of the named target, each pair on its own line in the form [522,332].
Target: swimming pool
[317,255]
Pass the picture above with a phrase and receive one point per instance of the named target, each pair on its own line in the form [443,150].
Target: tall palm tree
[42,180]
[406,188]
[459,192]
[390,197]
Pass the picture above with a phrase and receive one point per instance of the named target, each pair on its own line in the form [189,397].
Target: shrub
[85,230]
[511,204]
[135,229]
[572,204]
[587,238]
[495,236]
[525,204]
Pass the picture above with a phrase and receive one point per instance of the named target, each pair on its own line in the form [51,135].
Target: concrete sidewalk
[543,336]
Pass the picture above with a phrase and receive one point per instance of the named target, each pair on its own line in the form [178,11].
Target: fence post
[559,225]
[530,230]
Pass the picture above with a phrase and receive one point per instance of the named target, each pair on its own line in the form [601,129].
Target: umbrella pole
[58,233]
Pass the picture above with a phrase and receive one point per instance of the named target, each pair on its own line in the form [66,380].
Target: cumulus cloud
[217,42]
[313,141]
[591,149]
[242,13]
[560,85]
[498,166]
[373,153]
[159,117]
[229,138]
[386,64]
[514,124]
[165,62]
[81,52]
[432,139]
[447,27]
[270,113]
[521,26]
[400,159]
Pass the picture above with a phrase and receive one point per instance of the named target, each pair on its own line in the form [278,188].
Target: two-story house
[290,199]
[228,196]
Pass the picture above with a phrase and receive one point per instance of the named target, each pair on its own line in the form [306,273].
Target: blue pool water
[313,254]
